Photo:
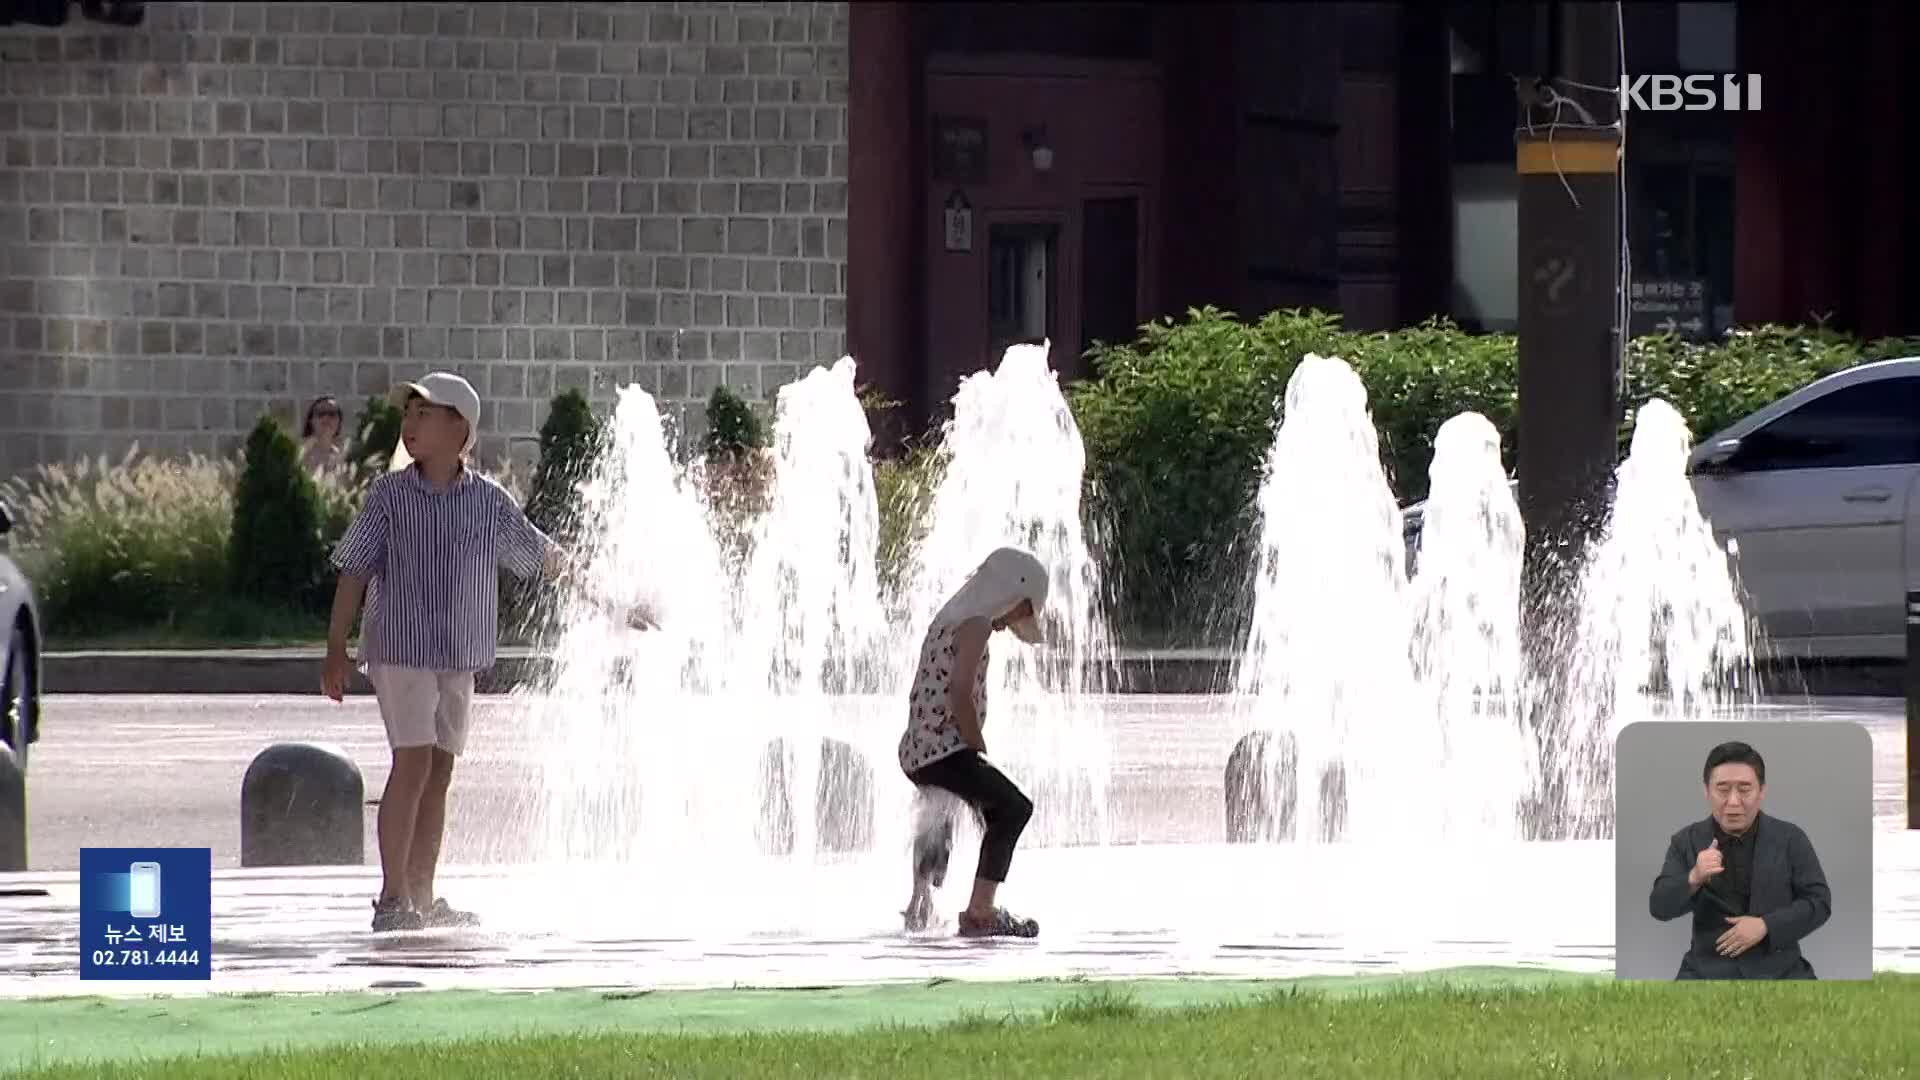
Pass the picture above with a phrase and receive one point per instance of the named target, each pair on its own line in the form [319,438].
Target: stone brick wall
[238,206]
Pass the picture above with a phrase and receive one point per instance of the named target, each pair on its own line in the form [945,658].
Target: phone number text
[145,957]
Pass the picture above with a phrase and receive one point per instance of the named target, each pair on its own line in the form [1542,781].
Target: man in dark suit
[1752,882]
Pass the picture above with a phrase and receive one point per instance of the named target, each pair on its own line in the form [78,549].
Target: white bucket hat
[1004,578]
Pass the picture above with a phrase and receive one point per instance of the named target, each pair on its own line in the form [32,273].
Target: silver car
[1817,496]
[20,684]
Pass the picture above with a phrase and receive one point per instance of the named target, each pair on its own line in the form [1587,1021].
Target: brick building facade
[238,206]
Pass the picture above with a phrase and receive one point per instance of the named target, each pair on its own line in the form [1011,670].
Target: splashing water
[704,738]
[1661,631]
[812,582]
[715,735]
[1014,469]
[1326,670]
[620,746]
[811,627]
[1466,644]
[1360,686]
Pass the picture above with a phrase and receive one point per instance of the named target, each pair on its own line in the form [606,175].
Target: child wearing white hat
[943,750]
[425,552]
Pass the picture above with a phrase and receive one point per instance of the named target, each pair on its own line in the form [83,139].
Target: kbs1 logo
[1691,93]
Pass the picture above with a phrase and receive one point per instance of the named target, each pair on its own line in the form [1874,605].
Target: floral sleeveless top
[932,733]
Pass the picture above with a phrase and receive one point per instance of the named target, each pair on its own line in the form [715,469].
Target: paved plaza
[1167,897]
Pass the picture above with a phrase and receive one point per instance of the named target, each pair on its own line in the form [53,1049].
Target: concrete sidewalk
[600,925]
[297,671]
[1144,911]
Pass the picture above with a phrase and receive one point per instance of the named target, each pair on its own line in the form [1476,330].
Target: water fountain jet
[810,623]
[1466,639]
[1326,674]
[1658,628]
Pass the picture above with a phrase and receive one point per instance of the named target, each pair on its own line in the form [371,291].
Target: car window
[1868,423]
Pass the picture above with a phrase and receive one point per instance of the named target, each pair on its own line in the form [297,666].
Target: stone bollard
[1333,802]
[843,799]
[1262,785]
[13,814]
[774,829]
[302,804]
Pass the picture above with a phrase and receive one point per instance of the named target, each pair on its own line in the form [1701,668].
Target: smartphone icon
[143,890]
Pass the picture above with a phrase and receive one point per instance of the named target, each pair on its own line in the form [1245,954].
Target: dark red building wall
[885,128]
[1201,257]
[1824,224]
[1305,160]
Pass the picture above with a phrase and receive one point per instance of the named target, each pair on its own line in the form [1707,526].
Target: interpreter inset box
[1743,850]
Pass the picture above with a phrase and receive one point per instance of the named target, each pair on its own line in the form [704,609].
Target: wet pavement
[1165,898]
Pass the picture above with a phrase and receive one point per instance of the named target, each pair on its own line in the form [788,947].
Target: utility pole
[1567,154]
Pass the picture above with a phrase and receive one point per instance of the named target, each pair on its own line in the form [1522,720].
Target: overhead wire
[1553,98]
[1625,304]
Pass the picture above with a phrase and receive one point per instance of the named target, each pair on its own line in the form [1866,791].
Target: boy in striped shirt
[425,552]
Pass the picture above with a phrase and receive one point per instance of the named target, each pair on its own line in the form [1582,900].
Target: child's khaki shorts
[423,708]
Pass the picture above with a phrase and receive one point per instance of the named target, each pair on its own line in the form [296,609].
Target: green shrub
[1419,378]
[874,399]
[1177,425]
[374,438]
[903,487]
[737,471]
[571,440]
[115,546]
[339,499]
[734,429]
[906,472]
[1715,385]
[277,554]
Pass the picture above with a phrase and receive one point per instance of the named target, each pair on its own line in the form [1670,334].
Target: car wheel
[19,697]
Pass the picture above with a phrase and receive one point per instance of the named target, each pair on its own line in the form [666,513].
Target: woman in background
[322,447]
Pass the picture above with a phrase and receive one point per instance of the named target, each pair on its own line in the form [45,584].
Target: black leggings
[1004,812]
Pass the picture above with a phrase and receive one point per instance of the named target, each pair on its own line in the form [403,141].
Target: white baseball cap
[445,388]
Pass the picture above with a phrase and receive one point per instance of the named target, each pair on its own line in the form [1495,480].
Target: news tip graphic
[146,913]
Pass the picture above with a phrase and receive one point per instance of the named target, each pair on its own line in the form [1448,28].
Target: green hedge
[1177,426]
[188,551]
[140,550]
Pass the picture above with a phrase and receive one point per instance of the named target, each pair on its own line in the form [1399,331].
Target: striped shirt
[432,559]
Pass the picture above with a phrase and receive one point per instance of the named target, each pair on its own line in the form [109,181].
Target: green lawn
[1796,1030]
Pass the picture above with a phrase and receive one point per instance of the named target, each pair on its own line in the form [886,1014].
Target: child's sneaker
[1002,923]
[395,914]
[443,914]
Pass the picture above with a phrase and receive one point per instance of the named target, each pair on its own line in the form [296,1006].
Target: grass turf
[1429,1027]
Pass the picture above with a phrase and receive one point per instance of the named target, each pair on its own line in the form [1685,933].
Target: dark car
[20,683]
